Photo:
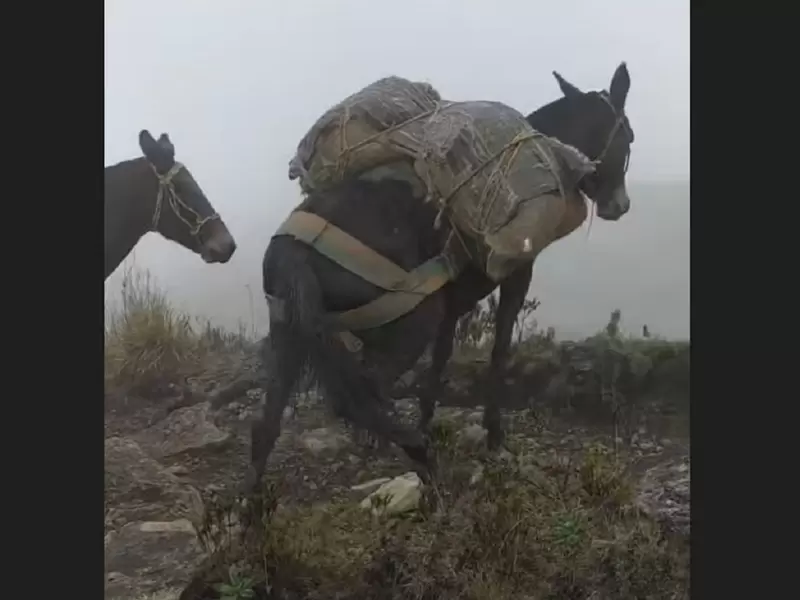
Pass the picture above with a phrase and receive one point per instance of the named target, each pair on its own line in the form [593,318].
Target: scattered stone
[144,559]
[323,439]
[370,485]
[665,494]
[447,414]
[189,429]
[401,494]
[477,475]
[405,405]
[183,525]
[475,417]
[472,435]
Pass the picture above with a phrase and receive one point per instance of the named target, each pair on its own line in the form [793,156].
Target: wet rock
[150,558]
[401,494]
[139,488]
[190,429]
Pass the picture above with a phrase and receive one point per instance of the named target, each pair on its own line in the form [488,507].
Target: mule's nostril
[219,250]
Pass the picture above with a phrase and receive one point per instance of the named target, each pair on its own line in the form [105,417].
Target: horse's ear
[620,84]
[569,90]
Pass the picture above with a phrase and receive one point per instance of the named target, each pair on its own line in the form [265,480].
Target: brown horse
[324,267]
[155,193]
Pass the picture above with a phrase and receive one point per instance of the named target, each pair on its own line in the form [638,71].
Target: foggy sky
[236,83]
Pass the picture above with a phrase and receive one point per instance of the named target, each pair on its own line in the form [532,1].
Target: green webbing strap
[405,290]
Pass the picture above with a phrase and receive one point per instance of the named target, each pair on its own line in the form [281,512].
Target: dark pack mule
[311,282]
[155,193]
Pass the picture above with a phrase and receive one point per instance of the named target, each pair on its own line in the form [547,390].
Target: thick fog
[237,83]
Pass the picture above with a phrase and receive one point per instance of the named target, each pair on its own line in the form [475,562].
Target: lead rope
[167,189]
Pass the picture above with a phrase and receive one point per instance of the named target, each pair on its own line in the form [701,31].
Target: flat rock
[664,493]
[448,414]
[370,485]
[138,488]
[472,435]
[144,558]
[401,494]
[323,440]
[189,429]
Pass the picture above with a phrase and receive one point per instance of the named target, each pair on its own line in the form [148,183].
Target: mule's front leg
[433,384]
[512,297]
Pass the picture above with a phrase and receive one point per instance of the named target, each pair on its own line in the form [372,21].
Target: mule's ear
[620,84]
[147,143]
[166,145]
[569,90]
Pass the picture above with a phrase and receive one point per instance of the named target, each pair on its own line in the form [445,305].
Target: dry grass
[531,528]
[149,342]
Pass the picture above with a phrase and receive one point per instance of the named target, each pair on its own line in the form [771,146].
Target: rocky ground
[166,461]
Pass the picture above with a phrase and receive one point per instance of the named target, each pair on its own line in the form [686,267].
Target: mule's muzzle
[219,248]
[618,205]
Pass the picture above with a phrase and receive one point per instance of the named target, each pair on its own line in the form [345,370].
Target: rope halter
[166,189]
[619,121]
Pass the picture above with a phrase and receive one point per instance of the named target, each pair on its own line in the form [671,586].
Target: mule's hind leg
[283,362]
[357,398]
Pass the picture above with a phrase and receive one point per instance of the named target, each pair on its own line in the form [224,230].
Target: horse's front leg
[512,297]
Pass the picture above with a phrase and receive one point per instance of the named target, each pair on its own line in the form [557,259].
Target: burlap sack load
[500,182]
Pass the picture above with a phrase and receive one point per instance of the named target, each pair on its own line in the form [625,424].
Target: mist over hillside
[639,264]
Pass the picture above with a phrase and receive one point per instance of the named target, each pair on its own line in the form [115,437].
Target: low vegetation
[524,525]
[149,343]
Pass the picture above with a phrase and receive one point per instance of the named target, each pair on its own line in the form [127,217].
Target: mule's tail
[301,338]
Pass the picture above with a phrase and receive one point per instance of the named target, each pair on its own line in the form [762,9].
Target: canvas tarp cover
[500,182]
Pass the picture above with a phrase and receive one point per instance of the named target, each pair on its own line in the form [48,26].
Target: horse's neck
[127,214]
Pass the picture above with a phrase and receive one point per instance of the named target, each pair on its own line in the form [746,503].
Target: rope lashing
[166,189]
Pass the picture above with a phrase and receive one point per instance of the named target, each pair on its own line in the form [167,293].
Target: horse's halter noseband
[167,189]
[619,121]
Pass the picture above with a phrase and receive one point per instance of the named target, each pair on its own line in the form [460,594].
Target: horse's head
[182,212]
[596,124]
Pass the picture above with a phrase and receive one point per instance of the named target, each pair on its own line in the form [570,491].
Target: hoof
[495,439]
[251,483]
[424,427]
